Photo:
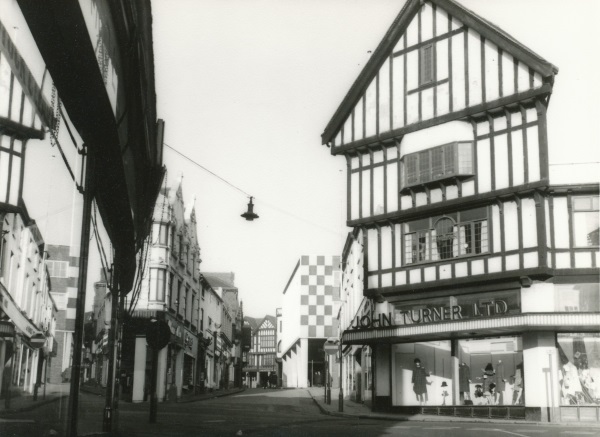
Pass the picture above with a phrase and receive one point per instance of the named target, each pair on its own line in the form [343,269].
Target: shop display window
[583,297]
[422,374]
[484,372]
[490,371]
[579,374]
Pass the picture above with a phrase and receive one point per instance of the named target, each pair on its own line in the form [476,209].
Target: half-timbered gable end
[448,107]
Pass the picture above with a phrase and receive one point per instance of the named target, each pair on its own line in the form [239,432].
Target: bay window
[157,285]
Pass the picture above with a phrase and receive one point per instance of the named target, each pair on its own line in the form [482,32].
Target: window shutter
[411,170]
[424,168]
[426,64]
[449,159]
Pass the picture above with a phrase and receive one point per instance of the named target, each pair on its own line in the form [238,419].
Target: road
[260,413]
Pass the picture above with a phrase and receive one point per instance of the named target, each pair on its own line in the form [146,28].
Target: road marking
[17,421]
[214,421]
[580,432]
[539,431]
[509,432]
[443,427]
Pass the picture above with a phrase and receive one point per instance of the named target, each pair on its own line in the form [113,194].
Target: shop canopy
[32,335]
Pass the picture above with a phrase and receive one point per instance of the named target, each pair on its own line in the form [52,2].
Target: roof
[256,323]
[397,29]
[222,280]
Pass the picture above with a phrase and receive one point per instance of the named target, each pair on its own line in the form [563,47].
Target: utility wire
[205,169]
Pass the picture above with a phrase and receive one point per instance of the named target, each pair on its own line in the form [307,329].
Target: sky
[246,87]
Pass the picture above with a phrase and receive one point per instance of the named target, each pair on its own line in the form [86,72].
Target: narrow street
[259,413]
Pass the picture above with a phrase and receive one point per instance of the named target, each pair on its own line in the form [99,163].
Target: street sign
[331,346]
[158,334]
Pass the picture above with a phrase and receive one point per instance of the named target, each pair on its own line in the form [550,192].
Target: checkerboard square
[328,331]
[312,289]
[320,320]
[320,310]
[304,320]
[304,279]
[312,320]
[312,270]
[312,280]
[304,260]
[321,260]
[312,310]
[303,300]
[328,310]
[320,280]
[328,270]
[328,290]
[312,300]
[312,331]
[320,300]
[320,270]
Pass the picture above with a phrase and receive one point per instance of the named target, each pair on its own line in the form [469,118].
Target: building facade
[260,368]
[482,275]
[28,312]
[308,318]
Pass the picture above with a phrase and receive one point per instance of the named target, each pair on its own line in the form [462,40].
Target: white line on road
[511,433]
[443,427]
[580,432]
[539,431]
[16,421]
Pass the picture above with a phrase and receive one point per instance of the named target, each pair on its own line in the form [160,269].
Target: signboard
[23,324]
[446,309]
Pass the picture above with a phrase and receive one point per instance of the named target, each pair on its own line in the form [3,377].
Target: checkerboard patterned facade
[319,295]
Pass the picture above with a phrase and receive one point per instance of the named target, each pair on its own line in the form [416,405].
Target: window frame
[477,246]
[155,291]
[594,208]
[426,64]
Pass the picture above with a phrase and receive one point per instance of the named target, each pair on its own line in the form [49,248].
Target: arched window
[444,237]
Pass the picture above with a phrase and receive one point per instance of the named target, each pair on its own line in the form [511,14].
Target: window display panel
[490,371]
[422,374]
[584,297]
[579,374]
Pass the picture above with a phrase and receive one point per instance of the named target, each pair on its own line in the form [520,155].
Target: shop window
[579,375]
[585,221]
[57,269]
[490,372]
[584,297]
[450,236]
[438,163]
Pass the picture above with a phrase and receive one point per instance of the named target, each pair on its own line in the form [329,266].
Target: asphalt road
[260,413]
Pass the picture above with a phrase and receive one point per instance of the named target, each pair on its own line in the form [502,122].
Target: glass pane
[473,214]
[465,158]
[579,375]
[437,167]
[582,203]
[449,158]
[411,170]
[424,167]
[585,229]
[491,371]
[578,297]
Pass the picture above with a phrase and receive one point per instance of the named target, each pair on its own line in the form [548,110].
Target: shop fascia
[443,313]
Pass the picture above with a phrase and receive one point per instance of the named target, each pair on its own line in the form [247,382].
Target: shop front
[482,355]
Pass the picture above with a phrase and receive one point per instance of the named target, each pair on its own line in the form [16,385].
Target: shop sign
[443,310]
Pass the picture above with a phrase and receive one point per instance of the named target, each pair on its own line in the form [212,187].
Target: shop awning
[22,323]
[464,328]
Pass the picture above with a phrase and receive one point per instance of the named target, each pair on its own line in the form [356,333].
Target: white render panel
[398,91]
[366,193]
[477,267]
[426,22]
[401,278]
[399,45]
[371,109]
[468,188]
[561,222]
[386,247]
[429,273]
[354,198]
[530,260]
[398,245]
[523,77]
[347,131]
[412,108]
[528,216]
[378,190]
[474,56]
[441,48]
[512,262]
[412,33]
[386,280]
[427,104]
[518,157]
[458,72]
[443,99]
[358,120]
[412,72]
[384,97]
[497,243]
[508,74]
[392,187]
[495,265]
[484,171]
[501,161]
[415,276]
[460,269]
[492,69]
[511,226]
[533,154]
[445,271]
[372,250]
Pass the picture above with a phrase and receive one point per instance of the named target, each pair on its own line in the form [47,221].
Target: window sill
[446,260]
[435,183]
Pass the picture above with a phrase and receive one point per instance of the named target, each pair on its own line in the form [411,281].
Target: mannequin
[464,379]
[420,383]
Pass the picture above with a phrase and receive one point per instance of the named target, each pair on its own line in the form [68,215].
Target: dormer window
[438,163]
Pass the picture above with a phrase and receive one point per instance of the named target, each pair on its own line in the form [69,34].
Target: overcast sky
[246,88]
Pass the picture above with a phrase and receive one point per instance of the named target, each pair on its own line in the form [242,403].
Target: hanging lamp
[250,215]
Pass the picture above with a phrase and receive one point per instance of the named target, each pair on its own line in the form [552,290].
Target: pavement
[20,401]
[360,410]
